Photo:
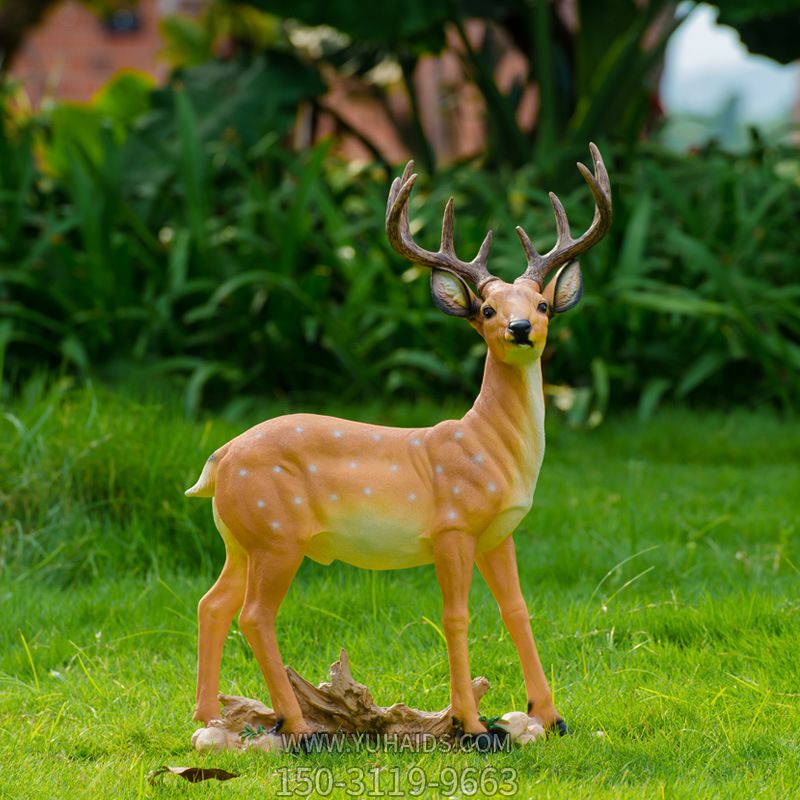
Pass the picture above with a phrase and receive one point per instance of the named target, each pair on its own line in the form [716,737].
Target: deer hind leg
[215,612]
[453,553]
[270,571]
[499,570]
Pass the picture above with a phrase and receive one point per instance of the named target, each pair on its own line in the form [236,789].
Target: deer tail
[206,483]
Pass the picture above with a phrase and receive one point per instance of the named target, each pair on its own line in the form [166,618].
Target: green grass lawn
[660,563]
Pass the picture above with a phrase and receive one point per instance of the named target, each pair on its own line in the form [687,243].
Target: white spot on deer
[492,487]
[412,497]
[451,515]
[276,469]
[394,468]
[298,500]
[376,437]
[458,435]
[415,442]
[334,497]
[337,434]
[456,490]
[367,491]
[243,472]
[298,429]
[478,459]
[439,469]
[259,434]
[353,464]
[275,525]
[260,503]
[312,468]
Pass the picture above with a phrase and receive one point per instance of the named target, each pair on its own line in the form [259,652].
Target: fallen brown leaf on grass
[193,774]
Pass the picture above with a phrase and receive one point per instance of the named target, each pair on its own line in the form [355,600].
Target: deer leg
[270,571]
[453,554]
[215,612]
[499,570]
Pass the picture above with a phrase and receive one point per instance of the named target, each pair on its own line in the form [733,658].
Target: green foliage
[191,41]
[196,245]
[414,22]
[701,277]
[767,27]
[77,131]
[251,733]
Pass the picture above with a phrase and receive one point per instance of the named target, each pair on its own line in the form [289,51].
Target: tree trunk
[16,18]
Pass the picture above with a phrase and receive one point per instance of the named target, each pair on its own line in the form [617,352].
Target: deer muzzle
[520,330]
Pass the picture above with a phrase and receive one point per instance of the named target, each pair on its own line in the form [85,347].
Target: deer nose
[520,328]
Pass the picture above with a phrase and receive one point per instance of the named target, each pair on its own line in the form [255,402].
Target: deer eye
[488,312]
[542,308]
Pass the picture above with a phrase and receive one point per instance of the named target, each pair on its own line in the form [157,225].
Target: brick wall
[71,54]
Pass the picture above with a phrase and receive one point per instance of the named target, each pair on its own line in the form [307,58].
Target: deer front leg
[269,574]
[499,570]
[215,612]
[453,553]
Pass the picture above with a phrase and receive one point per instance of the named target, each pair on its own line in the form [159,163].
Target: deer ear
[566,289]
[452,295]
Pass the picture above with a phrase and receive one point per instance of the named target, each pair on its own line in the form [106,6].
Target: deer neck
[509,415]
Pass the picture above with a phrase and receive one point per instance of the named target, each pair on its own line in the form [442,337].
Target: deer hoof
[487,742]
[559,728]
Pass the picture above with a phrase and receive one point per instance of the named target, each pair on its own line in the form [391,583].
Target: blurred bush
[590,69]
[175,242]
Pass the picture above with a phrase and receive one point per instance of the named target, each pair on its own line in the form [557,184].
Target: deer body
[374,496]
[310,486]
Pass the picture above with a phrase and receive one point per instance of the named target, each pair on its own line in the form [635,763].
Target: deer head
[513,317]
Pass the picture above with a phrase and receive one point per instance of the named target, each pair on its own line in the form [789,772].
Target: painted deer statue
[388,498]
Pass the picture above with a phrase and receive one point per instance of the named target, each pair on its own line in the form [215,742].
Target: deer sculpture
[377,497]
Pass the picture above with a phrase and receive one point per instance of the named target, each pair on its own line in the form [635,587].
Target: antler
[397,229]
[566,248]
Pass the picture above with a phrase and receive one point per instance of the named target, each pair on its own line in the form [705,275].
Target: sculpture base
[342,708]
